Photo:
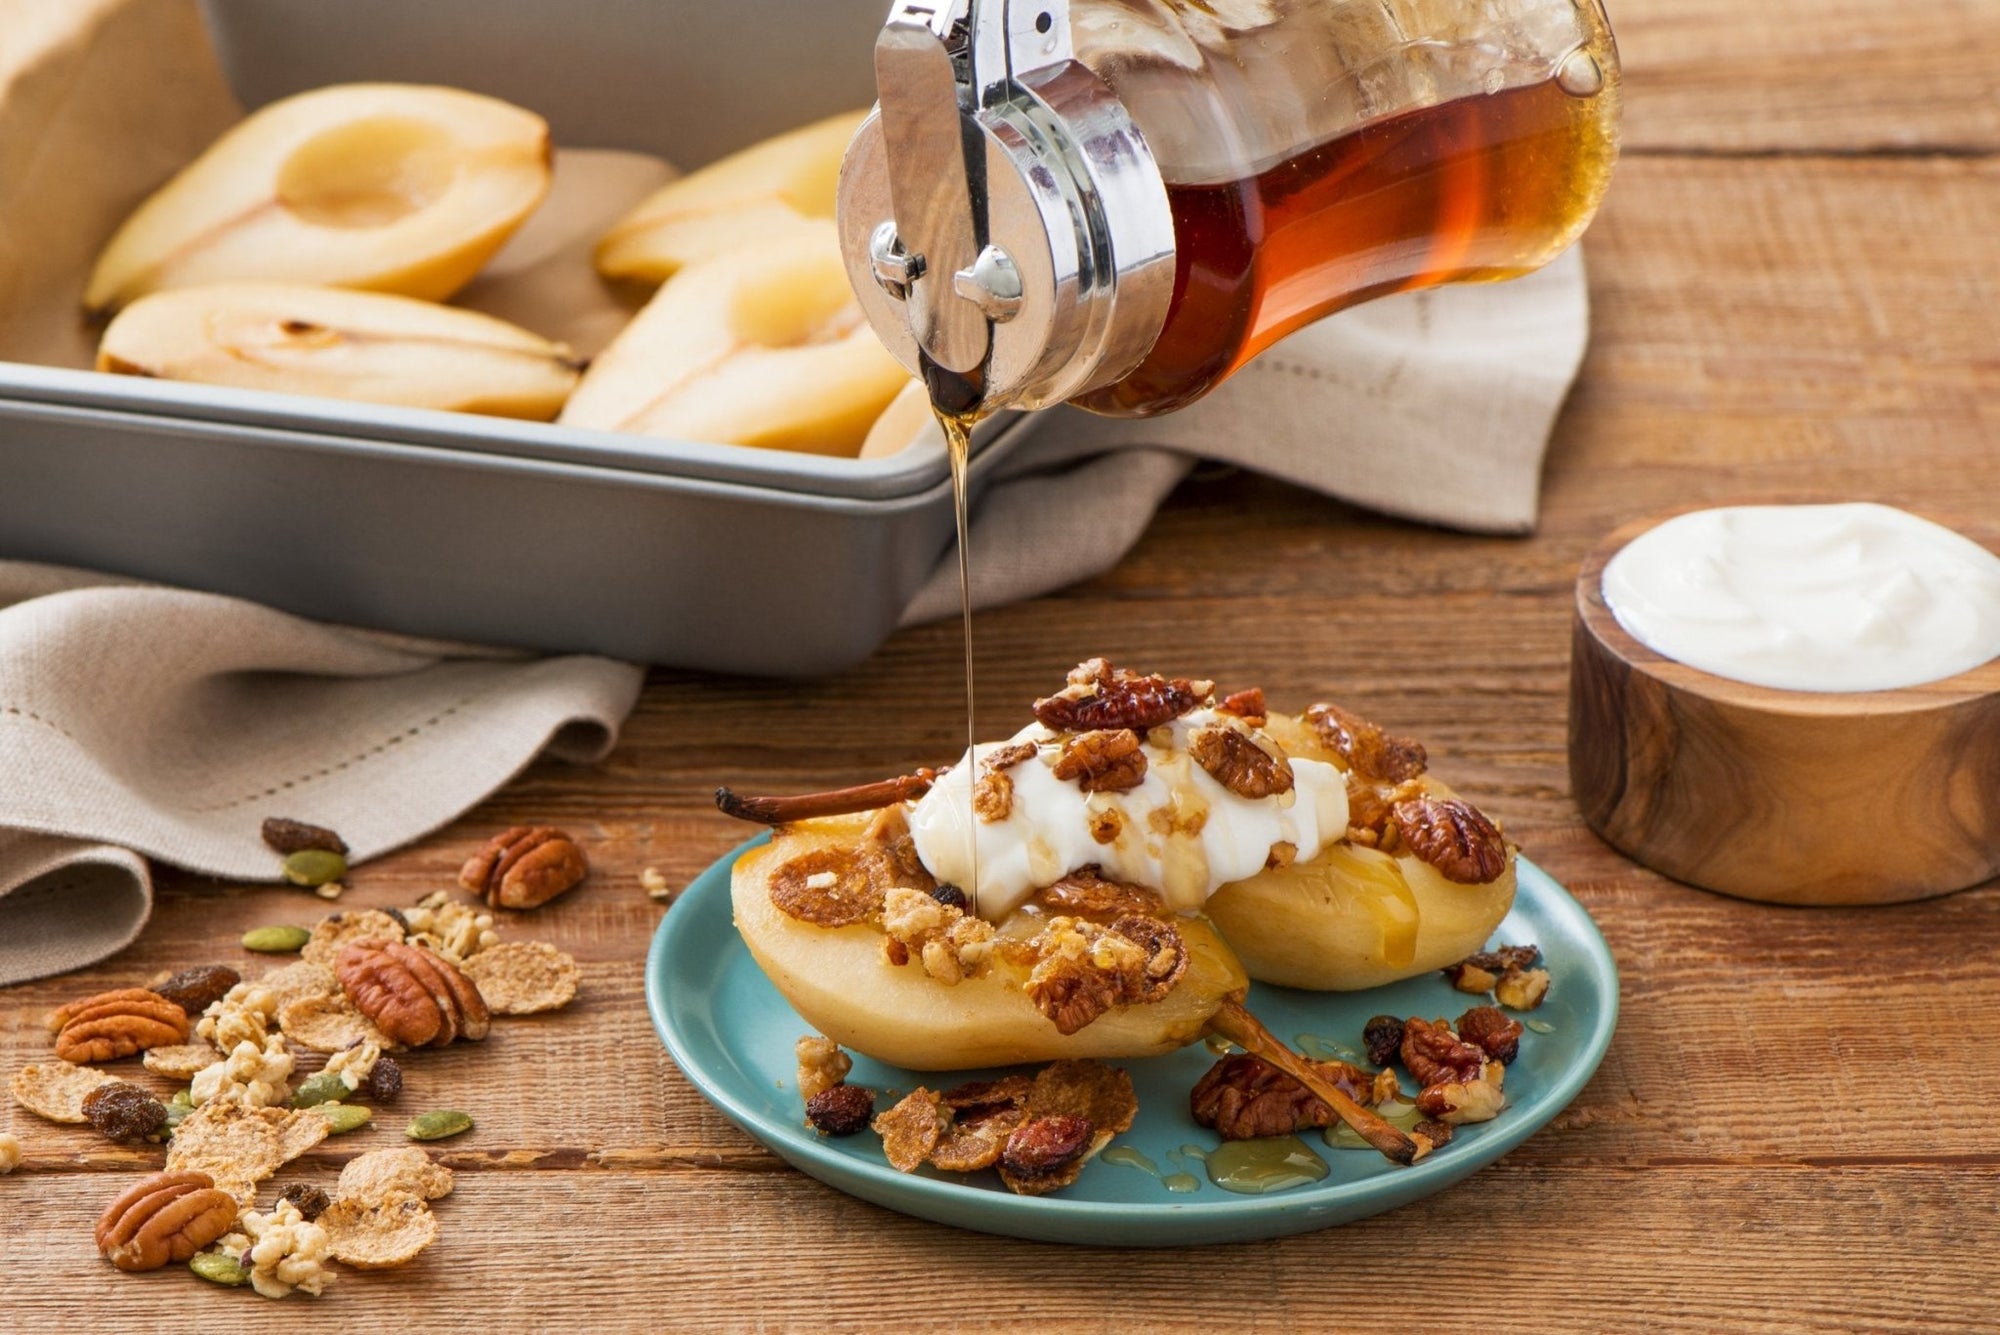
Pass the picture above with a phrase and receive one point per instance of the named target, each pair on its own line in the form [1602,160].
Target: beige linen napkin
[137,720]
[1435,406]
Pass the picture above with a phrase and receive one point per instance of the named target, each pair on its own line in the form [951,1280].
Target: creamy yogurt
[1180,831]
[1856,597]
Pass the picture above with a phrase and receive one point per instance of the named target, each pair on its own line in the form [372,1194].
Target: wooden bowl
[1793,797]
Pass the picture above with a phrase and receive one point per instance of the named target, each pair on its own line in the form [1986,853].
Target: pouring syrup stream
[955,400]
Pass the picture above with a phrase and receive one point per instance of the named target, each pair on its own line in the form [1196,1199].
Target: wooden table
[1797,292]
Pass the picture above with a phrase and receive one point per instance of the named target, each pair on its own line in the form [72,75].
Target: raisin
[1383,1037]
[840,1110]
[1047,1145]
[951,897]
[1493,1031]
[310,1200]
[385,1080]
[195,990]
[295,836]
[125,1111]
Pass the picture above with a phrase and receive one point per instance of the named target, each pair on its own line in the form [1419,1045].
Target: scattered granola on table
[281,1252]
[10,1153]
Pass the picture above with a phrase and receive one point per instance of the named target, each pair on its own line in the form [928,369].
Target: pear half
[762,346]
[387,187]
[746,199]
[340,344]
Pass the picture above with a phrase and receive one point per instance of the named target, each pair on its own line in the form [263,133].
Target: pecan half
[1452,836]
[1246,705]
[1432,1053]
[524,867]
[1102,696]
[1088,893]
[1234,760]
[414,997]
[1492,1031]
[1369,752]
[117,1024]
[1244,1097]
[165,1219]
[1106,761]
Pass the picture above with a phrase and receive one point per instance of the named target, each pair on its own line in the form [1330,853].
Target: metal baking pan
[523,534]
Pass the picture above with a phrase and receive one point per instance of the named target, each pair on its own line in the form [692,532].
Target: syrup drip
[1259,1167]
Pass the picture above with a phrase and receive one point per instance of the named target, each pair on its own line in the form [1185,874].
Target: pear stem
[1246,1031]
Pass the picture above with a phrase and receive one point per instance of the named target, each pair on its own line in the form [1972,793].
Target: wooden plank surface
[1796,294]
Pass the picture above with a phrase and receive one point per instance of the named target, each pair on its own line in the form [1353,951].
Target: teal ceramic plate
[732,1033]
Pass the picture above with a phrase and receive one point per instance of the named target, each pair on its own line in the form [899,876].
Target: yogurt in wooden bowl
[1796,703]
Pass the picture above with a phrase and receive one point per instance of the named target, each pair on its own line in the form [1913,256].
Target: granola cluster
[236,1045]
[1036,1131]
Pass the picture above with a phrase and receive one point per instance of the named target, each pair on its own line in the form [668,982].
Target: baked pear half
[873,953]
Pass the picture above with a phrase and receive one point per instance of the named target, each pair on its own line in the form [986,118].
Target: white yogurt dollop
[1179,832]
[1856,597]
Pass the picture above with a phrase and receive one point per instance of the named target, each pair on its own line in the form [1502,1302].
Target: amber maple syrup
[954,402]
[1478,188]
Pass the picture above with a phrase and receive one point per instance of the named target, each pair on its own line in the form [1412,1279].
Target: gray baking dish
[522,534]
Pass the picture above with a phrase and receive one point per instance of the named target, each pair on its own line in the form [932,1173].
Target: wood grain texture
[1793,1128]
[1868,797]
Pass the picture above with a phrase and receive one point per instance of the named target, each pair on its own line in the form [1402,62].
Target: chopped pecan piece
[1234,760]
[1088,893]
[832,887]
[1432,1053]
[1106,761]
[1246,705]
[1070,992]
[911,1129]
[1008,756]
[1452,836]
[1244,1097]
[1492,1031]
[992,797]
[840,1110]
[1469,977]
[993,791]
[1502,958]
[1166,959]
[1522,989]
[1460,1101]
[1102,696]
[891,851]
[1038,1154]
[1369,752]
[1383,1038]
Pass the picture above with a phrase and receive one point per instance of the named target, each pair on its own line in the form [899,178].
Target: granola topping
[281,1251]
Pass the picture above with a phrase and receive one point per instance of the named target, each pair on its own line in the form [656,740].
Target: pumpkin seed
[276,940]
[342,1118]
[438,1125]
[219,1268]
[314,866]
[326,1087]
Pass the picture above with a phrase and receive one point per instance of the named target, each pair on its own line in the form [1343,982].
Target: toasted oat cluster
[368,982]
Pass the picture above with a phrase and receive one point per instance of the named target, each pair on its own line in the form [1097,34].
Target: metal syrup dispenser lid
[1002,218]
